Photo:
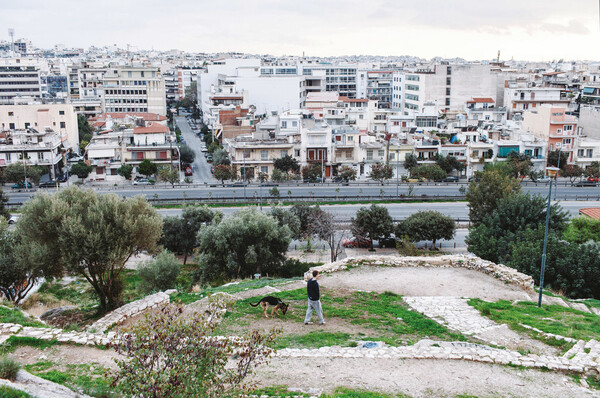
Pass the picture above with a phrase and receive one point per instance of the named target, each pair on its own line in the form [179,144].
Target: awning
[588,90]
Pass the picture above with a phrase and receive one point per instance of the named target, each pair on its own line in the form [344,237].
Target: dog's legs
[264,305]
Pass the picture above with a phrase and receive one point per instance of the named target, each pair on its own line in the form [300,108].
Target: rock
[54,312]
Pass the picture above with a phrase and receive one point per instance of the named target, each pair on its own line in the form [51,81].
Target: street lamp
[552,171]
[244,173]
[397,172]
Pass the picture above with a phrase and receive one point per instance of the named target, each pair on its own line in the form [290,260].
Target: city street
[200,167]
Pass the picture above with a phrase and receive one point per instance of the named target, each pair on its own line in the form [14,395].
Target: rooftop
[151,128]
[592,212]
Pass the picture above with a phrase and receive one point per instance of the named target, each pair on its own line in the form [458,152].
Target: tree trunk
[185,256]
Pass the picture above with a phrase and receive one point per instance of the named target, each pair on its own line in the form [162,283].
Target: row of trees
[508,227]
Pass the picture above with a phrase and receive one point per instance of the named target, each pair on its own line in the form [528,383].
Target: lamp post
[557,165]
[552,171]
[244,173]
[397,172]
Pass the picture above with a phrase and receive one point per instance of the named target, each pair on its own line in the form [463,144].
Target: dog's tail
[254,305]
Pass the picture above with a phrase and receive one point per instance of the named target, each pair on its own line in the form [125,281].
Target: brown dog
[275,302]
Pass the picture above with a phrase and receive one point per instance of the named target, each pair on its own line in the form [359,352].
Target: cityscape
[194,203]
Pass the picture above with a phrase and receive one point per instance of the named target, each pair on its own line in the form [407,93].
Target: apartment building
[552,124]
[482,111]
[589,121]
[185,78]
[380,87]
[19,80]
[31,146]
[520,97]
[108,149]
[587,152]
[61,119]
[257,154]
[134,89]
[447,86]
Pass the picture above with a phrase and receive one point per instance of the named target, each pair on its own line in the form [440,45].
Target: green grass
[14,342]
[91,379]
[342,392]
[14,315]
[7,392]
[553,319]
[248,284]
[375,316]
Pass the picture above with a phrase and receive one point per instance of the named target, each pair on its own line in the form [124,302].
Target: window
[11,113]
[283,153]
[381,153]
[590,153]
[396,123]
[63,125]
[264,155]
[568,127]
[40,155]
[566,141]
[350,138]
[61,112]
[11,126]
[297,153]
[392,156]
[294,124]
[447,90]
[580,152]
[27,125]
[370,154]
[448,81]
[447,101]
[284,124]
[8,157]
[246,153]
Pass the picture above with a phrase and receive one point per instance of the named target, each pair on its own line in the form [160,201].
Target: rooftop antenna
[498,60]
[11,33]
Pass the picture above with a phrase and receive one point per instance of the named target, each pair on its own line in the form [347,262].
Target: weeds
[9,368]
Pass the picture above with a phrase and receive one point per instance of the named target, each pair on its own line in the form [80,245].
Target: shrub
[9,368]
[294,267]
[160,273]
[170,354]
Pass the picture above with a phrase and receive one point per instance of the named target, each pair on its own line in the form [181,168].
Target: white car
[13,218]
[76,159]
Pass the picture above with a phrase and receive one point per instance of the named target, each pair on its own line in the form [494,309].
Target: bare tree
[325,227]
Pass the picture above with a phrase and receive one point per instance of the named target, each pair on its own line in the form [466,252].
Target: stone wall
[500,271]
[119,315]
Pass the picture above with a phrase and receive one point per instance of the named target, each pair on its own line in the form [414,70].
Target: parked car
[143,181]
[356,242]
[75,159]
[62,178]
[48,184]
[476,179]
[585,184]
[593,179]
[388,242]
[313,180]
[188,171]
[209,158]
[13,218]
[543,180]
[450,179]
[21,185]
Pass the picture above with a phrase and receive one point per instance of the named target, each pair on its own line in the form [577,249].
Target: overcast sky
[471,29]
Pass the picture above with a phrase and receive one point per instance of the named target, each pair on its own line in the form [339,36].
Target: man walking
[312,288]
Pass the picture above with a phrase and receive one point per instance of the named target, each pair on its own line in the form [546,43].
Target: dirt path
[418,378]
[424,281]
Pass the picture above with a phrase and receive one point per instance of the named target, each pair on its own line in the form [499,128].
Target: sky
[536,30]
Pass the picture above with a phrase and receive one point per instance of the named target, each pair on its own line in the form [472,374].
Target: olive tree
[179,233]
[372,222]
[90,235]
[427,225]
[242,244]
[483,196]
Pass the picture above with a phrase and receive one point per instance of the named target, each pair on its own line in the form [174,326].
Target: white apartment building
[60,118]
[448,86]
[32,146]
[586,152]
[380,87]
[134,89]
[19,79]
[521,97]
[589,121]
[267,88]
[484,111]
[185,78]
